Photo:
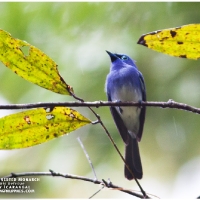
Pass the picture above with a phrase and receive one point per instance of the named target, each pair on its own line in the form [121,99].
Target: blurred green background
[76,36]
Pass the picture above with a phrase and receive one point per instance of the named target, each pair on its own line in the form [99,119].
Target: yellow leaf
[31,64]
[183,41]
[37,126]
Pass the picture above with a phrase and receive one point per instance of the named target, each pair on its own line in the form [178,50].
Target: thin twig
[118,151]
[111,139]
[87,156]
[96,192]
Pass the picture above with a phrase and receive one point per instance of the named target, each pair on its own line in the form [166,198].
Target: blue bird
[126,83]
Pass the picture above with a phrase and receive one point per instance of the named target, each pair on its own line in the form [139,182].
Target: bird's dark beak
[113,57]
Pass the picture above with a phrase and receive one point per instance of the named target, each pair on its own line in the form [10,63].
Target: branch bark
[169,104]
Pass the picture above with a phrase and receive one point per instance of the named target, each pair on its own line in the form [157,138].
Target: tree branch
[169,104]
[107,184]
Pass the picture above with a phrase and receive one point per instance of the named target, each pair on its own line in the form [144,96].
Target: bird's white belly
[129,115]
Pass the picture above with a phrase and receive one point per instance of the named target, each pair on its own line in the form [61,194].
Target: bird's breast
[127,92]
[130,115]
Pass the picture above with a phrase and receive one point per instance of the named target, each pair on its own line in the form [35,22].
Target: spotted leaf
[183,41]
[36,126]
[31,64]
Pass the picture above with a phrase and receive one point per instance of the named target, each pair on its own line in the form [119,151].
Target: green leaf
[183,41]
[32,127]
[31,64]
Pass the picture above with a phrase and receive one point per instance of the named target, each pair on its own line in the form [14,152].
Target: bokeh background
[76,36]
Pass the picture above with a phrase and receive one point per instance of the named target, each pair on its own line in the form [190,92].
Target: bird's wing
[143,109]
[119,123]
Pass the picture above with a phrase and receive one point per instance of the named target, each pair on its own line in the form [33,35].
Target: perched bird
[126,83]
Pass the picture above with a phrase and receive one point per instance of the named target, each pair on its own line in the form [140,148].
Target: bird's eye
[124,58]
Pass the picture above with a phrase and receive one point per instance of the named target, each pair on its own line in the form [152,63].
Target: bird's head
[120,58]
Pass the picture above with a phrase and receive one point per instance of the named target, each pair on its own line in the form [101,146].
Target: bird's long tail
[132,158]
